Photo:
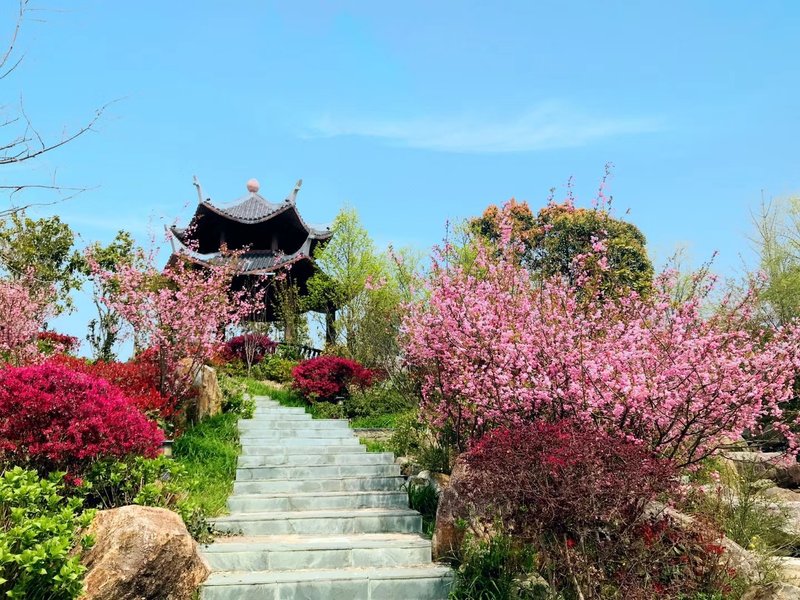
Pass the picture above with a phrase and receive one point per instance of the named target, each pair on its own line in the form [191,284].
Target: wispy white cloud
[547,126]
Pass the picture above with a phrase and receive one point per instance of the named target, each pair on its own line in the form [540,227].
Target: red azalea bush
[52,342]
[55,419]
[326,377]
[563,479]
[260,345]
[136,380]
[584,499]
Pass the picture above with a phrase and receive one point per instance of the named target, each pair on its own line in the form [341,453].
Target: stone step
[264,414]
[316,472]
[278,553]
[276,460]
[335,484]
[254,436]
[248,503]
[256,442]
[277,407]
[424,582]
[248,425]
[295,447]
[322,522]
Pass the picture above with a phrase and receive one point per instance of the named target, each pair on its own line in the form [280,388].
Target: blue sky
[418,112]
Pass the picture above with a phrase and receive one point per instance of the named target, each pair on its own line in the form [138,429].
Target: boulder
[775,591]
[142,553]
[780,494]
[453,508]
[407,466]
[790,569]
[733,555]
[787,476]
[438,481]
[209,395]
[783,470]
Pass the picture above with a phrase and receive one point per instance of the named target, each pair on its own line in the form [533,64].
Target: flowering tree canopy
[550,240]
[496,347]
[181,312]
[23,309]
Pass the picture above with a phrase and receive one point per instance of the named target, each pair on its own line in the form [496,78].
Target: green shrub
[234,399]
[40,531]
[159,482]
[374,445]
[431,450]
[327,410]
[274,368]
[424,498]
[149,482]
[497,569]
[379,399]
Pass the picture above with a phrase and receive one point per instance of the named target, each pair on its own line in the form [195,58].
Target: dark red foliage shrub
[586,501]
[564,478]
[236,348]
[51,342]
[135,379]
[53,418]
[326,377]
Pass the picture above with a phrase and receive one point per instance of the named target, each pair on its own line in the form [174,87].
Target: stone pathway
[314,516]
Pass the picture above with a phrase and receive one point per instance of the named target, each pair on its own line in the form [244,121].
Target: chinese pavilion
[274,236]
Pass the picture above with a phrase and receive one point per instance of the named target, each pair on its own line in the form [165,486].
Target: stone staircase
[315,517]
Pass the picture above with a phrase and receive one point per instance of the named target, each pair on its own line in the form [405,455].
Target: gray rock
[775,591]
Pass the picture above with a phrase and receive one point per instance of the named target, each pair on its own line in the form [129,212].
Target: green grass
[285,396]
[387,421]
[209,451]
[374,445]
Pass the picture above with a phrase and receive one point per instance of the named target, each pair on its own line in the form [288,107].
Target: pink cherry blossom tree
[494,347]
[23,310]
[178,315]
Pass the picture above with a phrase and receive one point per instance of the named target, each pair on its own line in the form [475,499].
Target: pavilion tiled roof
[251,262]
[254,208]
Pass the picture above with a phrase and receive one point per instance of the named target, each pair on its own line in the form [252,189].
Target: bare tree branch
[23,140]
[23,4]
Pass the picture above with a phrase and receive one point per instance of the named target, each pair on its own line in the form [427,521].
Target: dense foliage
[53,418]
[494,347]
[582,499]
[41,252]
[23,309]
[52,342]
[549,242]
[560,479]
[180,313]
[136,379]
[40,530]
[250,348]
[327,377]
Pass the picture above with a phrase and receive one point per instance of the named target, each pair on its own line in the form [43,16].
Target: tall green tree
[41,251]
[777,241]
[365,286]
[105,328]
[551,240]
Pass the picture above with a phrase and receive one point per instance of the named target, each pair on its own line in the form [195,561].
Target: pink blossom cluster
[22,315]
[494,347]
[181,313]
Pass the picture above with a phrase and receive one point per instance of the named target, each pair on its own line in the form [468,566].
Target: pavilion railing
[299,350]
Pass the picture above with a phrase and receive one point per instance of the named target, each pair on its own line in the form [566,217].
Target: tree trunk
[330,325]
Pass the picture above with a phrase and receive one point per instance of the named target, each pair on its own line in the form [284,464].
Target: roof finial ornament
[196,183]
[252,185]
[292,198]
